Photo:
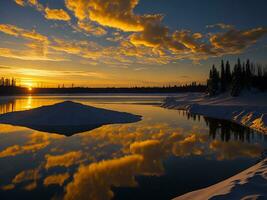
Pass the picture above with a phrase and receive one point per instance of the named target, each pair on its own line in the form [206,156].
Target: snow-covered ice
[249,109]
[248,185]
[66,118]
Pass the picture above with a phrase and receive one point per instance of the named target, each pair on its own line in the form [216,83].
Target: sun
[30,89]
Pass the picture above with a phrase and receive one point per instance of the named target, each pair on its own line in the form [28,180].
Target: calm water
[165,155]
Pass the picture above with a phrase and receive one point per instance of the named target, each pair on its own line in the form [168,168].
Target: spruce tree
[248,78]
[213,82]
[228,77]
[223,80]
[237,79]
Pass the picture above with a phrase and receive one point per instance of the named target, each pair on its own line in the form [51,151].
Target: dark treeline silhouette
[243,76]
[8,86]
[7,82]
[14,90]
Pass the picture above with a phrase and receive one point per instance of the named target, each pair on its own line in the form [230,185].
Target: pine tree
[228,76]
[223,80]
[213,82]
[237,79]
[248,78]
[243,76]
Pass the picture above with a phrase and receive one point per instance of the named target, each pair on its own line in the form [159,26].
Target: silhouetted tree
[223,78]
[237,79]
[213,81]
[228,76]
[248,75]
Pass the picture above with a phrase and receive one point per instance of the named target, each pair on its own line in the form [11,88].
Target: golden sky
[103,43]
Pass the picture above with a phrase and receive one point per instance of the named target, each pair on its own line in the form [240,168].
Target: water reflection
[7,106]
[95,164]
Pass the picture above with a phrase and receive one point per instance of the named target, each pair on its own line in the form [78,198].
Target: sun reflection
[29,102]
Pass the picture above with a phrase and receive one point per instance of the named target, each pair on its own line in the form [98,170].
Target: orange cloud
[235,41]
[233,149]
[33,3]
[26,175]
[91,29]
[56,14]
[57,179]
[64,160]
[95,180]
[115,14]
[37,141]
[23,33]
[151,42]
[8,187]
[20,2]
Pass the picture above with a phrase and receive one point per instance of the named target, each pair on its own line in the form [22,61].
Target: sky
[125,43]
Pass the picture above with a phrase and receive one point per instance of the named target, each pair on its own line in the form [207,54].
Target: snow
[249,184]
[249,109]
[66,118]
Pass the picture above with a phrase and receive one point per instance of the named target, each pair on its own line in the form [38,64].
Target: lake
[166,154]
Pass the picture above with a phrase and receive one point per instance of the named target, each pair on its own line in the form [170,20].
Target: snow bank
[66,118]
[250,109]
[249,184]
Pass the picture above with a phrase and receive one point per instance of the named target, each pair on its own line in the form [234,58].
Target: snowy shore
[249,109]
[250,184]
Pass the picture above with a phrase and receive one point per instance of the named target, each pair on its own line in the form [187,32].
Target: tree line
[246,75]
[7,82]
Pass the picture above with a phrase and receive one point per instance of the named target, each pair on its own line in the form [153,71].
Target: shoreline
[241,110]
[250,183]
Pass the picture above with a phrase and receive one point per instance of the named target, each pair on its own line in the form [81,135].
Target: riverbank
[249,109]
[250,184]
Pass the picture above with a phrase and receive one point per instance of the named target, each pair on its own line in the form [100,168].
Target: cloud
[94,181]
[221,26]
[52,73]
[146,39]
[20,2]
[8,187]
[64,160]
[56,14]
[115,14]
[191,145]
[235,41]
[148,148]
[35,54]
[27,175]
[36,141]
[234,149]
[91,29]
[23,33]
[36,48]
[56,179]
[33,3]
